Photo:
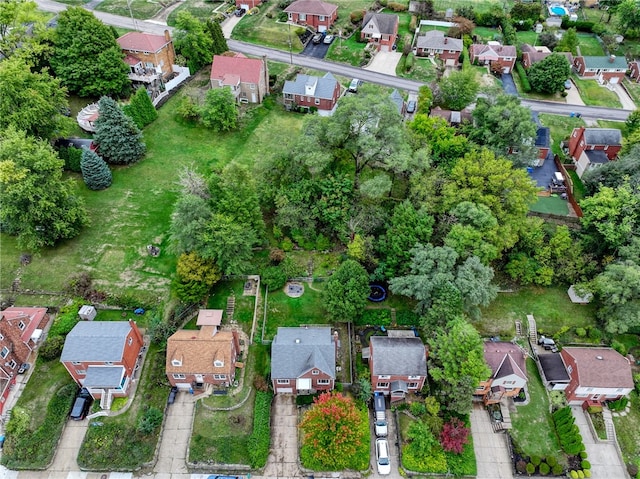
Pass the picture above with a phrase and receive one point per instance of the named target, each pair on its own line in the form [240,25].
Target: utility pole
[290,47]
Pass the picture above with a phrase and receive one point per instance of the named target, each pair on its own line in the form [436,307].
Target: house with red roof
[435,43]
[508,372]
[596,375]
[148,56]
[20,330]
[248,78]
[532,55]
[316,14]
[500,58]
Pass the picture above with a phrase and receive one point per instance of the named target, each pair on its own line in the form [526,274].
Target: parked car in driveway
[172,395]
[379,412]
[328,39]
[24,367]
[239,12]
[317,38]
[411,106]
[353,86]
[81,405]
[382,457]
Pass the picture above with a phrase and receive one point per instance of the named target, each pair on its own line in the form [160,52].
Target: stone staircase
[533,329]
[519,328]
[231,306]
[608,425]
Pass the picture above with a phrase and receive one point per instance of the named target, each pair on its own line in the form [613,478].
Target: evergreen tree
[141,109]
[118,137]
[219,42]
[95,172]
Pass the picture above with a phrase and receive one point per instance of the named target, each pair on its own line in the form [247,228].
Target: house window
[176,362]
[315,372]
[288,96]
[282,381]
[413,386]
[383,385]
[386,376]
[323,382]
[179,376]
[290,16]
[317,101]
[12,364]
[21,326]
[81,372]
[412,377]
[130,341]
[108,363]
[76,363]
[1,337]
[5,352]
[253,86]
[218,364]
[569,369]
[302,17]
[509,382]
[321,18]
[220,376]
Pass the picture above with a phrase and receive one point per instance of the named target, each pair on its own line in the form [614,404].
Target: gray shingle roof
[312,7]
[103,376]
[597,156]
[96,341]
[605,63]
[399,356]
[322,87]
[295,351]
[602,136]
[435,39]
[385,22]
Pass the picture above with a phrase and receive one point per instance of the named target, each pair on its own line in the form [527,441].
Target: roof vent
[599,357]
[297,340]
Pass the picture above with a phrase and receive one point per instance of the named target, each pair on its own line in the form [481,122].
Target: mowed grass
[533,431]
[199,9]
[423,70]
[560,127]
[593,94]
[141,9]
[628,431]
[267,31]
[291,312]
[550,307]
[634,90]
[550,204]
[589,45]
[136,210]
[347,51]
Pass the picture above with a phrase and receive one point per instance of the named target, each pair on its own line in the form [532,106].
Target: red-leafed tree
[454,436]
[335,434]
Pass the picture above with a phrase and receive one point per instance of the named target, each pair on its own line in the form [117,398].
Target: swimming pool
[558,10]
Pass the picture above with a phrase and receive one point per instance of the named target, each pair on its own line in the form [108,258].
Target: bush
[580,475]
[552,461]
[584,464]
[52,348]
[594,409]
[413,23]
[377,317]
[356,16]
[556,470]
[574,474]
[283,16]
[544,469]
[322,243]
[260,438]
[621,348]
[274,277]
[397,7]
[535,460]
[71,157]
[581,332]
[287,244]
[583,454]
[580,26]
[530,469]
[594,333]
[521,466]
[587,473]
[149,421]
[407,318]
[417,408]
[619,404]
[409,62]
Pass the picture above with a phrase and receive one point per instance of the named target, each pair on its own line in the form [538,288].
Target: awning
[104,377]
[399,386]
[36,335]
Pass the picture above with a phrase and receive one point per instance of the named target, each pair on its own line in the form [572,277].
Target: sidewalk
[492,455]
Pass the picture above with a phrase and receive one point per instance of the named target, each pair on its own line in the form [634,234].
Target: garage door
[303,384]
[285,390]
[183,386]
[614,80]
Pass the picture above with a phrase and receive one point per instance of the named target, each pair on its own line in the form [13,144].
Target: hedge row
[524,80]
[260,438]
[568,432]
[579,26]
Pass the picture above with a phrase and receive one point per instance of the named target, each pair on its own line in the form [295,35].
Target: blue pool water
[558,10]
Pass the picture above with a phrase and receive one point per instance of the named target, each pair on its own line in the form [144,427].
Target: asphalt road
[339,69]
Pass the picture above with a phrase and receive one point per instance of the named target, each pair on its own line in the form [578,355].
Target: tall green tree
[141,109]
[346,292]
[38,205]
[615,173]
[618,290]
[87,59]
[219,42]
[474,232]
[191,214]
[32,102]
[550,74]
[119,139]
[447,146]
[628,16]
[228,243]
[220,111]
[95,172]
[192,41]
[568,42]
[16,17]
[457,90]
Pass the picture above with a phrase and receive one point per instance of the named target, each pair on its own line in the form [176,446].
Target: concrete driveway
[176,435]
[385,62]
[492,456]
[573,95]
[283,458]
[625,99]
[392,440]
[69,445]
[229,24]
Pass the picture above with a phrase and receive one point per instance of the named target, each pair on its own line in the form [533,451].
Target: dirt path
[162,15]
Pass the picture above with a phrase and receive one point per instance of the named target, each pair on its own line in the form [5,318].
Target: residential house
[102,356]
[543,144]
[308,92]
[247,4]
[435,43]
[248,78]
[398,101]
[454,118]
[597,374]
[380,29]
[508,372]
[206,356]
[593,147]
[634,70]
[532,55]
[303,360]
[398,364]
[148,55]
[20,330]
[605,69]
[500,58]
[312,13]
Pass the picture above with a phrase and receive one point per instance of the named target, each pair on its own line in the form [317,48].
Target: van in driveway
[379,415]
[382,457]
[81,405]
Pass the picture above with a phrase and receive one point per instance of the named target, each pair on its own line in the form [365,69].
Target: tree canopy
[16,18]
[119,139]
[192,41]
[95,172]
[220,111]
[346,292]
[457,90]
[550,74]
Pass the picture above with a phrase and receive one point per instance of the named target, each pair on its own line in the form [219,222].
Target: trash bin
[529,169]
[572,114]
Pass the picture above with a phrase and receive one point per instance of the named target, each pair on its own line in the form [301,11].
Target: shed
[87,313]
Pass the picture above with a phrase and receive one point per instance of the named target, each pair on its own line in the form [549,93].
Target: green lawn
[589,45]
[526,37]
[550,204]
[485,34]
[267,31]
[347,51]
[285,311]
[579,190]
[139,8]
[199,9]
[423,70]
[634,90]
[533,431]
[244,306]
[561,127]
[628,431]
[550,306]
[593,94]
[478,5]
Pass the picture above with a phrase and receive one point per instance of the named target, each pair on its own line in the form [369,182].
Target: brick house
[207,356]
[102,356]
[313,13]
[605,69]
[508,372]
[248,78]
[148,55]
[247,4]
[380,29]
[20,330]
[398,364]
[593,147]
[309,91]
[634,71]
[532,55]
[596,375]
[500,58]
[303,360]
[434,43]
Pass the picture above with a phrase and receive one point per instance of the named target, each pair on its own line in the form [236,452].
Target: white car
[382,457]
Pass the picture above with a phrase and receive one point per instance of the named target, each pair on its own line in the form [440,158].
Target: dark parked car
[172,395]
[317,38]
[24,367]
[411,106]
[81,405]
[239,12]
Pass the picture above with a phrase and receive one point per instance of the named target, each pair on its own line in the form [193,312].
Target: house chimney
[612,58]
[167,36]
[446,39]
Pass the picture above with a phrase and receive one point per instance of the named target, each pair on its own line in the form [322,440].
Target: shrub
[407,318]
[552,461]
[409,62]
[454,436]
[413,23]
[524,80]
[283,16]
[580,474]
[584,464]
[260,438]
[594,409]
[378,317]
[274,277]
[580,26]
[322,243]
[71,157]
[52,348]
[619,404]
[356,16]
[417,408]
[397,7]
[581,332]
[521,466]
[574,474]
[544,469]
[531,468]
[587,473]
[556,470]
[287,244]
[594,333]
[149,421]
[583,454]
[621,348]
[535,460]
[188,109]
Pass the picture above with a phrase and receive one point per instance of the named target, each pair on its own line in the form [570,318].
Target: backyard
[589,45]
[261,29]
[560,127]
[551,205]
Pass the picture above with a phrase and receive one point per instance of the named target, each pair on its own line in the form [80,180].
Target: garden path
[492,456]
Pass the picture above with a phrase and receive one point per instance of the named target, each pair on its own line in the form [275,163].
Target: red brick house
[148,55]
[102,356]
[380,29]
[313,13]
[434,43]
[593,147]
[309,92]
[398,364]
[303,360]
[500,58]
[248,78]
[532,55]
[508,372]
[605,69]
[596,375]
[20,331]
[207,356]
[634,70]
[247,4]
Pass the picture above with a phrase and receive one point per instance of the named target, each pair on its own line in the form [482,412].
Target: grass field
[267,31]
[287,312]
[634,90]
[199,9]
[589,45]
[561,127]
[140,9]
[347,51]
[593,94]
[550,306]
[423,70]
[550,204]
[579,190]
[628,431]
